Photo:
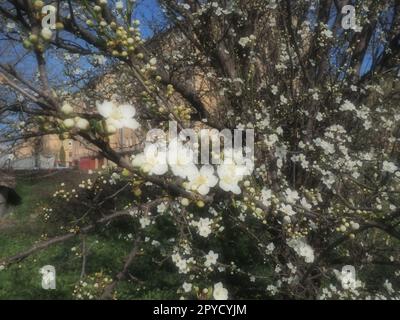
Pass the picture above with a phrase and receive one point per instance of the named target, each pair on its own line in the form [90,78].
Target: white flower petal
[127,111]
[114,123]
[139,160]
[160,169]
[130,123]
[106,108]
[203,190]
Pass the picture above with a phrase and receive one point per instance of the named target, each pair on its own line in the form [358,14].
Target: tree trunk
[3,203]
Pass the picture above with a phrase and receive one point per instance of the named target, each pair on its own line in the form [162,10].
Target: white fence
[29,163]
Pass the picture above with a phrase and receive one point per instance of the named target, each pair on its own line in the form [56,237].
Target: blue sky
[147,11]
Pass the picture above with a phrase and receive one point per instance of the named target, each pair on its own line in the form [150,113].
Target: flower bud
[185,202]
[137,192]
[46,33]
[200,204]
[67,109]
[82,124]
[33,38]
[59,26]
[38,4]
[69,123]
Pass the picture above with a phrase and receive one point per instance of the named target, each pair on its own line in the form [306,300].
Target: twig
[109,290]
[84,257]
[59,239]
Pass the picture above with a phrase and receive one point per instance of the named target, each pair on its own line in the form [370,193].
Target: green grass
[23,228]
[20,231]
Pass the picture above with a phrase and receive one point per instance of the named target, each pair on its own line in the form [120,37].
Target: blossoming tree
[321,190]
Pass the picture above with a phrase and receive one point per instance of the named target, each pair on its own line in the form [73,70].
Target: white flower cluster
[245,41]
[389,167]
[203,227]
[182,263]
[302,249]
[144,222]
[157,159]
[347,106]
[118,116]
[76,122]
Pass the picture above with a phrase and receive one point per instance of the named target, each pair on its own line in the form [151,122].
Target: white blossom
[219,292]
[202,180]
[244,41]
[389,167]
[270,248]
[181,159]
[232,170]
[347,106]
[211,259]
[291,196]
[204,227]
[302,249]
[144,222]
[187,287]
[287,210]
[118,116]
[152,161]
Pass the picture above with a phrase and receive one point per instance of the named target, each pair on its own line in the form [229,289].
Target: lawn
[23,227]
